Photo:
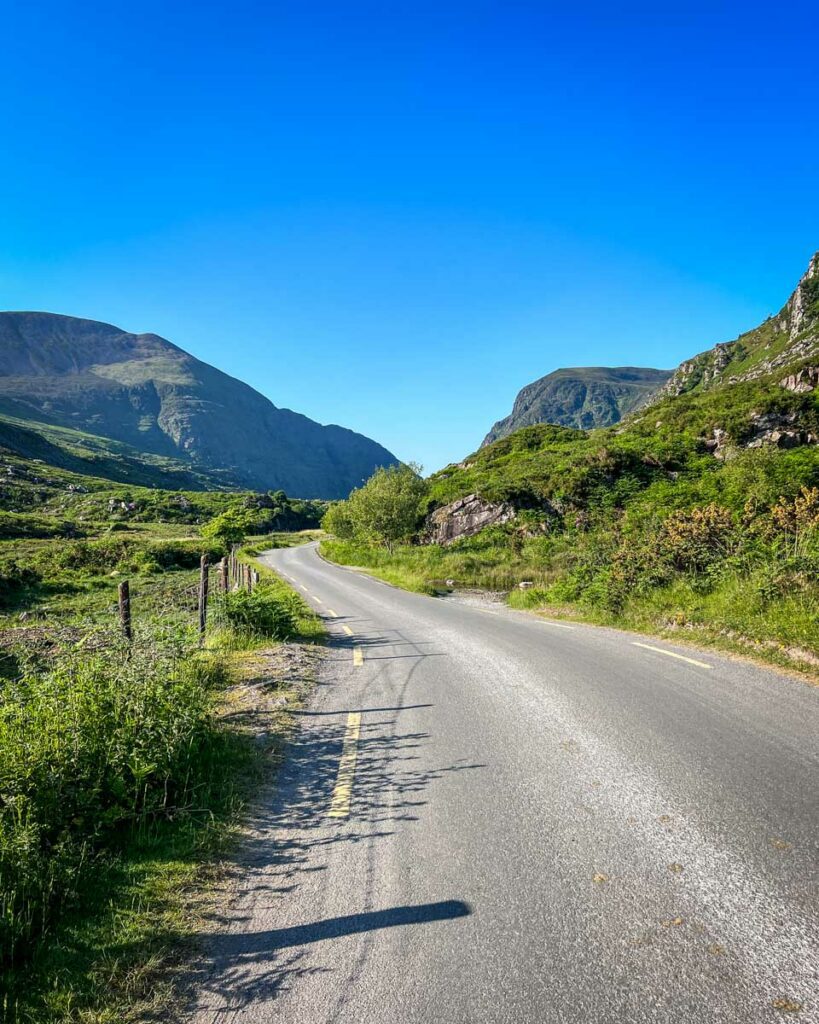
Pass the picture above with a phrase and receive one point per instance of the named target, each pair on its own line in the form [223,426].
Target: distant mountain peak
[148,393]
[583,397]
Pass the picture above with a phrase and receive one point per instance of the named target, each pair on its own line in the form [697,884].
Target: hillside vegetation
[120,772]
[697,515]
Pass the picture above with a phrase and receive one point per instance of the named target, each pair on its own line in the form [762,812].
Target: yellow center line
[318,600]
[343,790]
[358,657]
[347,630]
[332,614]
[671,654]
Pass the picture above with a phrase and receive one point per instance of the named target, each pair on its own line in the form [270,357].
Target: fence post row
[203,596]
[125,609]
[230,569]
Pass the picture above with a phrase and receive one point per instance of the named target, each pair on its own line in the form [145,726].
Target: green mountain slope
[583,397]
[697,512]
[782,342]
[142,391]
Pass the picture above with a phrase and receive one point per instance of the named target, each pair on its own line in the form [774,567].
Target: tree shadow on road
[290,840]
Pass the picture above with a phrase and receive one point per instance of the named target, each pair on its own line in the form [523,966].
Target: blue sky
[394,215]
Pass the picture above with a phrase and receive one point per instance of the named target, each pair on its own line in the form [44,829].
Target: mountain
[757,395]
[582,397]
[777,344]
[143,392]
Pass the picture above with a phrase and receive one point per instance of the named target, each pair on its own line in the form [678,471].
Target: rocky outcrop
[464,518]
[782,430]
[806,379]
[770,429]
[781,341]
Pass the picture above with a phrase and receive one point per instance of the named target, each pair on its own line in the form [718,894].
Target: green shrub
[262,613]
[14,581]
[88,749]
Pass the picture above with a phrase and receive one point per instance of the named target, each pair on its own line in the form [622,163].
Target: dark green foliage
[15,581]
[262,613]
[20,525]
[88,748]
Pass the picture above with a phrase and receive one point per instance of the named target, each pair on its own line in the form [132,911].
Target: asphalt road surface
[488,817]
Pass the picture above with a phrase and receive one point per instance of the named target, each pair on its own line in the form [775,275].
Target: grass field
[123,772]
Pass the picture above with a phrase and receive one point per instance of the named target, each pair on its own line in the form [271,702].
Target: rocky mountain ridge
[145,392]
[780,342]
[583,397]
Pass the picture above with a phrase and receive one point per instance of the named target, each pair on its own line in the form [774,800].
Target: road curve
[489,818]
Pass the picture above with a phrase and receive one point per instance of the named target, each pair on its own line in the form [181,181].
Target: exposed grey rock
[465,517]
[807,379]
[798,321]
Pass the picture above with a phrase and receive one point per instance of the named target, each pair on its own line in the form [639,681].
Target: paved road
[490,818]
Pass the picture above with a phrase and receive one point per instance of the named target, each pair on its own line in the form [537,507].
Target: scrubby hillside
[778,345]
[142,391]
[584,397]
[699,512]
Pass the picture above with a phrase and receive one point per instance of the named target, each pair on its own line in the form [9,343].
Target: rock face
[781,341]
[465,517]
[807,379]
[770,429]
[582,397]
[142,390]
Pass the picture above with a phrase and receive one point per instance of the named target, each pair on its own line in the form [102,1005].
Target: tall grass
[92,750]
[723,577]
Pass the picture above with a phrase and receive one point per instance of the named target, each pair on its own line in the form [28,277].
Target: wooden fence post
[125,609]
[223,574]
[203,596]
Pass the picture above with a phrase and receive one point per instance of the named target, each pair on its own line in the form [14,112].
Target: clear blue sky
[394,215]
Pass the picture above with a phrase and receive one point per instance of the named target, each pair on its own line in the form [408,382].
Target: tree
[386,510]
[338,521]
[229,527]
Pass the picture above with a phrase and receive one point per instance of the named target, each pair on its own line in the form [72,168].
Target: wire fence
[146,615]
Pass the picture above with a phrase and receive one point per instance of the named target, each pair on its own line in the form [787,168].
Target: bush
[14,581]
[696,538]
[386,510]
[86,750]
[262,613]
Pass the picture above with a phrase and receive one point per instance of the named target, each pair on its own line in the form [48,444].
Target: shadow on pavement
[290,839]
[265,942]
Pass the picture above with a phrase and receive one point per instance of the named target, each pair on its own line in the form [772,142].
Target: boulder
[807,379]
[464,518]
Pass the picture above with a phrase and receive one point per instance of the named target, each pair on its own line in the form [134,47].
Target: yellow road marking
[347,630]
[332,614]
[318,600]
[343,790]
[358,657]
[302,587]
[671,654]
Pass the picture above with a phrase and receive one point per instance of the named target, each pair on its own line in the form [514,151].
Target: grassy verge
[123,773]
[766,606]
